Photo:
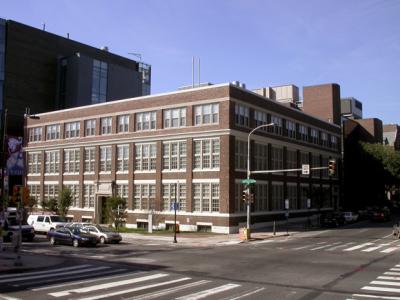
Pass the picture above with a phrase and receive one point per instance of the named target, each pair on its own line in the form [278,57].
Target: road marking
[52,275]
[358,247]
[380,289]
[168,291]
[370,249]
[324,246]
[391,273]
[262,242]
[376,296]
[340,246]
[8,297]
[135,289]
[45,272]
[389,277]
[206,293]
[388,250]
[394,269]
[248,294]
[391,283]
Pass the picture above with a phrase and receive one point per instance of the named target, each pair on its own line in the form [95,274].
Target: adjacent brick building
[193,141]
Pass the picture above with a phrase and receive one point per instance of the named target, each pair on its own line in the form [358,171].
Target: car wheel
[102,240]
[52,241]
[75,243]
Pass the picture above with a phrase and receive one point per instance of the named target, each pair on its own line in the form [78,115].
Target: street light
[248,168]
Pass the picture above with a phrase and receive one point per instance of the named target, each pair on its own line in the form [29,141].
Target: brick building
[193,141]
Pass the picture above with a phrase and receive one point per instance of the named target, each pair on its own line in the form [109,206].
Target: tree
[115,211]
[65,202]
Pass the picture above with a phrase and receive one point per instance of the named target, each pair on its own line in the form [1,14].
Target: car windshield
[104,229]
[57,219]
[77,231]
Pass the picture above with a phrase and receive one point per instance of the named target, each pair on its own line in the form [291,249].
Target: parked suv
[46,223]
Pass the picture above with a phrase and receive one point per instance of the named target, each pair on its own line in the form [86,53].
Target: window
[34,163]
[277,158]
[123,158]
[90,127]
[145,157]
[72,130]
[144,196]
[50,191]
[260,155]
[72,160]
[122,191]
[291,161]
[105,159]
[174,118]
[315,162]
[146,121]
[240,204]
[89,160]
[277,196]
[260,197]
[291,190]
[88,195]
[291,129]
[314,136]
[304,195]
[206,154]
[260,118]
[206,197]
[99,81]
[206,114]
[240,155]
[106,124]
[52,162]
[324,139]
[35,134]
[169,196]
[74,188]
[325,162]
[123,123]
[34,191]
[174,155]
[53,132]
[303,133]
[242,115]
[334,142]
[277,128]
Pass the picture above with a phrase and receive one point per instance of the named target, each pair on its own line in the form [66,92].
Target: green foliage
[115,212]
[65,202]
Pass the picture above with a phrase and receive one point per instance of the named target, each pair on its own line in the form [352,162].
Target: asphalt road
[359,261]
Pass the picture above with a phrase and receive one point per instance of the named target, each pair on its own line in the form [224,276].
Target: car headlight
[84,239]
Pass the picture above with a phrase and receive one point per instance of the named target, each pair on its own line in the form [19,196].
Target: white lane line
[390,283]
[308,246]
[165,292]
[376,296]
[395,269]
[53,275]
[135,289]
[370,249]
[262,242]
[209,292]
[248,294]
[49,287]
[381,289]
[388,277]
[391,249]
[340,246]
[4,297]
[391,273]
[324,246]
[106,285]
[44,272]
[358,247]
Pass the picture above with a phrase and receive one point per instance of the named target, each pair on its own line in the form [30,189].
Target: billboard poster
[15,159]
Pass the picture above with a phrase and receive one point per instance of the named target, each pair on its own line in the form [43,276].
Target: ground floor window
[50,191]
[122,191]
[206,197]
[88,195]
[34,191]
[260,197]
[74,188]
[172,191]
[292,196]
[144,196]
[277,196]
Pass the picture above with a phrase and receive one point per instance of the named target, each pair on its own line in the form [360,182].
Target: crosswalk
[92,282]
[385,286]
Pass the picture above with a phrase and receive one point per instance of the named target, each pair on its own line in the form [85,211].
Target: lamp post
[248,168]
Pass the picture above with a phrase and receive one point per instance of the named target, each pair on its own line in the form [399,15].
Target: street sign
[286,203]
[305,169]
[248,181]
[175,206]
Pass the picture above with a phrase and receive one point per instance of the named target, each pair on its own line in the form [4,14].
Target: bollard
[274,229]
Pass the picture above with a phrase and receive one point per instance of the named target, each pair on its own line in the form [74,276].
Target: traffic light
[246,195]
[332,167]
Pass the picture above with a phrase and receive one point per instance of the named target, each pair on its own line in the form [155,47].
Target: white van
[46,223]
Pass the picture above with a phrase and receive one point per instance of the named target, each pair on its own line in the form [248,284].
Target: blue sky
[355,43]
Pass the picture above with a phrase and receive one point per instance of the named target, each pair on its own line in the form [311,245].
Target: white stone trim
[144,181]
[71,182]
[50,182]
[204,223]
[32,182]
[205,180]
[122,181]
[142,220]
[173,181]
[87,217]
[88,182]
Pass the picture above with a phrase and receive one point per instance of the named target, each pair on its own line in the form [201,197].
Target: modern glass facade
[99,81]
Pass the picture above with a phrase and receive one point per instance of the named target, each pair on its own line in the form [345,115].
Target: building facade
[189,145]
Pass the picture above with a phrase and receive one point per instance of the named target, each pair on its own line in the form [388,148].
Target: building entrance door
[103,218]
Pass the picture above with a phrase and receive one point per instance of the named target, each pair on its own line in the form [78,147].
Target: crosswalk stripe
[376,296]
[168,291]
[391,273]
[358,247]
[247,294]
[389,277]
[107,285]
[209,292]
[391,249]
[390,283]
[52,275]
[340,246]
[324,246]
[370,249]
[395,269]
[380,289]
[44,272]
[135,289]
[8,297]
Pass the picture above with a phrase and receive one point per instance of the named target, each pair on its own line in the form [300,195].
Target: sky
[354,43]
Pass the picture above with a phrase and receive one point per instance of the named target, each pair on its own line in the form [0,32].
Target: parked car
[46,223]
[104,234]
[350,217]
[71,236]
[332,219]
[77,224]
[11,225]
[380,215]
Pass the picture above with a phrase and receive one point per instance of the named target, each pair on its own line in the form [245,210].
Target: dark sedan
[71,236]
[332,219]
